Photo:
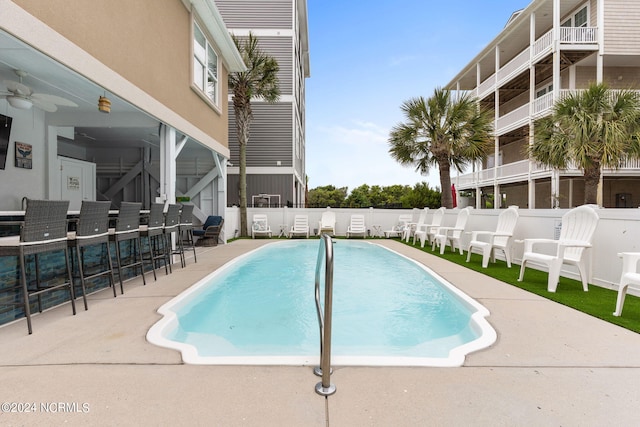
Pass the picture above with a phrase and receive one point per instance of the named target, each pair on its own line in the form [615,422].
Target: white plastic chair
[578,227]
[398,230]
[411,227]
[357,226]
[629,276]
[260,226]
[453,234]
[426,231]
[488,241]
[300,226]
[327,223]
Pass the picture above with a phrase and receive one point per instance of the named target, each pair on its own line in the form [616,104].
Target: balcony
[486,87]
[513,120]
[514,67]
[542,105]
[578,35]
[542,46]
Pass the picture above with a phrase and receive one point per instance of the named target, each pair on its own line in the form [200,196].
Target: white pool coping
[456,357]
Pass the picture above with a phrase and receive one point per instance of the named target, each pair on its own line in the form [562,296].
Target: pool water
[387,309]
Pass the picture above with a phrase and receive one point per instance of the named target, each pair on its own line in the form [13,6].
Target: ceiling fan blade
[44,105]
[17,88]
[53,99]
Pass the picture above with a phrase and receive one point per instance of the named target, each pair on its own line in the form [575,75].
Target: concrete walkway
[551,365]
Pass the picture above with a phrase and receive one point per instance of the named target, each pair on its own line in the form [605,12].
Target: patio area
[551,365]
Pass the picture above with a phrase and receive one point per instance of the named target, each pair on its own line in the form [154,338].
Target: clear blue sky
[367,57]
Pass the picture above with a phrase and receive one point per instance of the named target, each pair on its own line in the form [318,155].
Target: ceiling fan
[22,97]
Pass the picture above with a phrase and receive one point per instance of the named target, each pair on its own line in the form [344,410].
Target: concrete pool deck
[551,365]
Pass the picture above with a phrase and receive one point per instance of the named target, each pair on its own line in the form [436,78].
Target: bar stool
[127,229]
[156,239]
[92,229]
[186,232]
[44,230]
[171,225]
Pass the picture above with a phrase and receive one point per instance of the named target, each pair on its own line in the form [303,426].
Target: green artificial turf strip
[598,302]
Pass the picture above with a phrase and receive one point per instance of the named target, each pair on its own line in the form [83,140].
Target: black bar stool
[92,229]
[156,239]
[186,232]
[127,229]
[44,230]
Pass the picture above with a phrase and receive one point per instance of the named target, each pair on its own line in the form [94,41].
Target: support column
[556,50]
[496,152]
[168,163]
[221,182]
[532,99]
[600,58]
[53,191]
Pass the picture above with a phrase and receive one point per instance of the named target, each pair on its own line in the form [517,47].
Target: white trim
[266,170]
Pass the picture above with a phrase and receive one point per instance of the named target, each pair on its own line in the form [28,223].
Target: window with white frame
[205,65]
[578,19]
[544,90]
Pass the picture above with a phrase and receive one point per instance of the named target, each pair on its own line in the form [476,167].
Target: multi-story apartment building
[161,130]
[276,151]
[550,47]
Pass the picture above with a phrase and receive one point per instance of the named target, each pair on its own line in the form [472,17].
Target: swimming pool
[260,309]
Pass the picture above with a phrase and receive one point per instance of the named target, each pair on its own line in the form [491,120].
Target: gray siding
[260,184]
[256,13]
[270,137]
[622,27]
[281,48]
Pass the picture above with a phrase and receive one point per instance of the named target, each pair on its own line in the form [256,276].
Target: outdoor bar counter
[50,266]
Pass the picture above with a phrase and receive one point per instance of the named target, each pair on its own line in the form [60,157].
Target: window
[544,90]
[578,19]
[205,65]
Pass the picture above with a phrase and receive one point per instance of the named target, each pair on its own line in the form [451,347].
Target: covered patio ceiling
[124,126]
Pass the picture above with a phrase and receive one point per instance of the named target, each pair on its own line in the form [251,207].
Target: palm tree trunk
[591,180]
[242,112]
[446,199]
[243,190]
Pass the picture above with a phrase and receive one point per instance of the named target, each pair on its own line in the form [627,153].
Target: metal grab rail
[325,388]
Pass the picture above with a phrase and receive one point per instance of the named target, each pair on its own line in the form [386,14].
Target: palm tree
[589,129]
[259,81]
[444,132]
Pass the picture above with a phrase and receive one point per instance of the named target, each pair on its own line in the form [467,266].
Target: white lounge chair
[411,227]
[630,276]
[398,230]
[357,226]
[488,241]
[453,234]
[427,231]
[327,223]
[578,226]
[260,226]
[300,226]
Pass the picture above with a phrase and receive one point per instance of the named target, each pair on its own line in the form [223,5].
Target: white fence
[617,231]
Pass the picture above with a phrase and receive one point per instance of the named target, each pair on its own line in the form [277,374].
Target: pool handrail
[325,388]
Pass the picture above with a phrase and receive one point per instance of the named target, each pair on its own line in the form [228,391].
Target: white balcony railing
[513,119]
[489,85]
[578,35]
[515,66]
[519,168]
[542,105]
[542,45]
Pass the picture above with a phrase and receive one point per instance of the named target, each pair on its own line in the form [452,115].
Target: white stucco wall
[16,183]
